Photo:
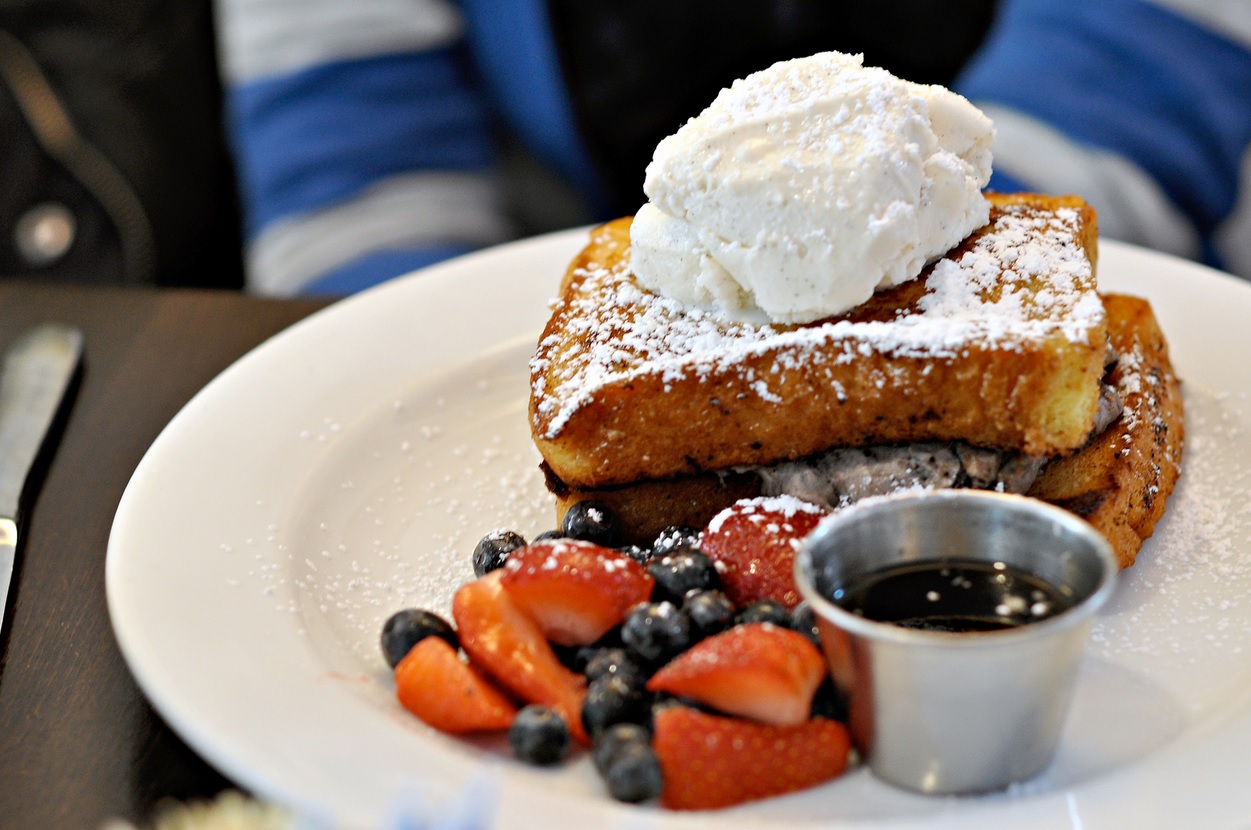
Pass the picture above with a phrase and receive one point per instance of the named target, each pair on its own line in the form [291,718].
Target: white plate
[345,469]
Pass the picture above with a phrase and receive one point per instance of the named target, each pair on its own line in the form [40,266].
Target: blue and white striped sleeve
[363,150]
[1143,108]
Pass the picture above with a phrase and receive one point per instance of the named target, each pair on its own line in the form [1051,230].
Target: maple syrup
[953,596]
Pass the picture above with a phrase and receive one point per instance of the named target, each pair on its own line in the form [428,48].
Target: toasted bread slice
[1000,343]
[1119,480]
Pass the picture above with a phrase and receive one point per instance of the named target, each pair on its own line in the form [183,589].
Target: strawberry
[434,684]
[757,670]
[709,761]
[752,543]
[575,591]
[505,643]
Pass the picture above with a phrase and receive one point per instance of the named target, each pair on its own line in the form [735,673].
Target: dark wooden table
[79,743]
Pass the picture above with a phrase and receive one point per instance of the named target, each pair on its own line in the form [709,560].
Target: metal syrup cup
[942,712]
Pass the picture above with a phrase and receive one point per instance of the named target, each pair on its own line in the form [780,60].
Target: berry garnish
[611,700]
[539,736]
[405,629]
[753,543]
[508,645]
[656,631]
[804,620]
[638,554]
[765,610]
[758,671]
[708,761]
[613,661]
[627,764]
[434,684]
[575,591]
[591,521]
[680,571]
[675,536]
[613,738]
[829,702]
[493,550]
[710,612]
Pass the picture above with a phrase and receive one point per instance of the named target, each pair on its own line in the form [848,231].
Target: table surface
[79,743]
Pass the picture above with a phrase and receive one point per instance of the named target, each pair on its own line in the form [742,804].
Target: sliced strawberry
[709,761]
[753,543]
[434,684]
[758,670]
[575,591]
[505,643]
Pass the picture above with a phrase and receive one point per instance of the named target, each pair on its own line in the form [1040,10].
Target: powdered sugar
[1175,607]
[766,509]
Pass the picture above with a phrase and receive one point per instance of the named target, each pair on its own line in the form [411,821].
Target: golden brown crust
[1120,480]
[615,399]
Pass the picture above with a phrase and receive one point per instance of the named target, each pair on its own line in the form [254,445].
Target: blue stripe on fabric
[1003,183]
[316,137]
[1130,77]
[515,49]
[378,267]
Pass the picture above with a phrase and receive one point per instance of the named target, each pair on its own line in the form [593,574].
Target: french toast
[667,414]
[1119,480]
[1000,343]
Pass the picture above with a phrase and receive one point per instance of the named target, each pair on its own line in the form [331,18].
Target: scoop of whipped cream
[806,186]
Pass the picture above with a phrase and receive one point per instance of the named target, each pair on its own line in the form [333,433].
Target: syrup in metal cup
[954,702]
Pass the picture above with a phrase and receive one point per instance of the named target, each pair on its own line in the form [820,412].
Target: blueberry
[571,657]
[610,700]
[632,773]
[804,620]
[638,554]
[548,535]
[539,736]
[675,536]
[680,571]
[829,702]
[405,629]
[765,610]
[656,631]
[591,521]
[611,662]
[710,612]
[493,550]
[607,742]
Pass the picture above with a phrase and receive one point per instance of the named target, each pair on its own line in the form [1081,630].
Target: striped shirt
[364,130]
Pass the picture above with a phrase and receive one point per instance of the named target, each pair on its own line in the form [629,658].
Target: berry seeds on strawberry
[708,761]
[575,591]
[507,644]
[758,670]
[752,543]
[433,683]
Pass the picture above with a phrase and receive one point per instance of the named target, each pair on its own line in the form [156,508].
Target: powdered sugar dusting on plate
[1184,602]
[391,517]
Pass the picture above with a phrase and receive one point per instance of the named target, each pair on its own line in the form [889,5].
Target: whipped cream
[806,186]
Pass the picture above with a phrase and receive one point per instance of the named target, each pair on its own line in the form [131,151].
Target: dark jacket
[113,166]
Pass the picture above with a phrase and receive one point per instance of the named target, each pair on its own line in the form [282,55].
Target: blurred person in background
[113,163]
[377,136]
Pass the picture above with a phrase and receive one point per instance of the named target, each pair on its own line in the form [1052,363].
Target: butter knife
[38,370]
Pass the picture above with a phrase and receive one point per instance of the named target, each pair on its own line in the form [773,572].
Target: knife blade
[38,370]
